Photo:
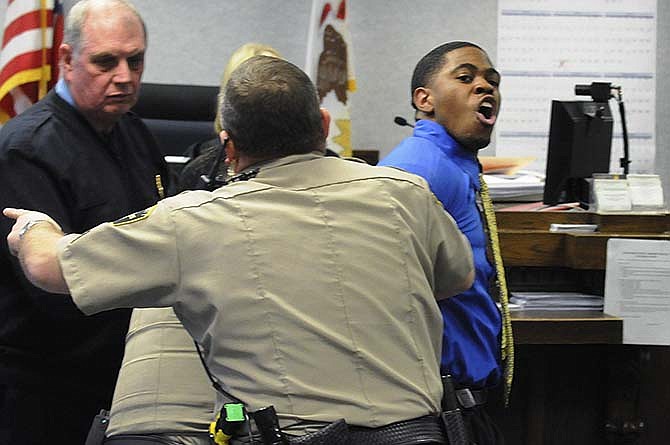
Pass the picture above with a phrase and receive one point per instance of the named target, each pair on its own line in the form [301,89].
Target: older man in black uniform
[80,156]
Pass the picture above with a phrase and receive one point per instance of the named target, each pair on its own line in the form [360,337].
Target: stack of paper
[523,186]
[556,301]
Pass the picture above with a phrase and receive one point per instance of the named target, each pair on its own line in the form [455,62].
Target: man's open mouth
[486,113]
[486,109]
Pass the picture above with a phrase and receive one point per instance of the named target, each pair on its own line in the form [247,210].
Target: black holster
[336,433]
[452,417]
[96,435]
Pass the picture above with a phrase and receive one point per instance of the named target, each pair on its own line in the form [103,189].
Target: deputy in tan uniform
[162,394]
[311,285]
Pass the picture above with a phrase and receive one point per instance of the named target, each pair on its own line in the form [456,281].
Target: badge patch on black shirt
[134,217]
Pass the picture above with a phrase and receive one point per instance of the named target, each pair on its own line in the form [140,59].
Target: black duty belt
[136,439]
[422,430]
[426,430]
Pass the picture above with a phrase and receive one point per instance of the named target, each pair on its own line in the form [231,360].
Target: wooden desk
[526,242]
[525,239]
[565,327]
[573,375]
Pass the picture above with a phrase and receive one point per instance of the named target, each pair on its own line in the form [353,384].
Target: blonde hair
[244,52]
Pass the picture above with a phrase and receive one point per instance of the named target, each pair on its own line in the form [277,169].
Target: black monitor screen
[580,140]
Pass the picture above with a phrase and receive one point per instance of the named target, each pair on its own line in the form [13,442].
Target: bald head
[78,15]
[102,59]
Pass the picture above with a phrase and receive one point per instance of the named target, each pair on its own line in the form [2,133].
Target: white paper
[522,186]
[556,301]
[554,227]
[637,289]
[547,47]
[646,191]
[611,195]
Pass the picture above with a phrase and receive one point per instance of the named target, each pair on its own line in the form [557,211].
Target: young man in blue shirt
[456,97]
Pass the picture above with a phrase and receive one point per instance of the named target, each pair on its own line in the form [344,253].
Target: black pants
[481,428]
[39,413]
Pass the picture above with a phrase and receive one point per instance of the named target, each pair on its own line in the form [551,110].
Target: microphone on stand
[603,92]
[399,120]
[599,91]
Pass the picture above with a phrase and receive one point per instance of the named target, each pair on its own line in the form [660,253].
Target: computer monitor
[580,140]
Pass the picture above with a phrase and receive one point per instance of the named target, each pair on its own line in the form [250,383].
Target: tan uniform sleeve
[453,257]
[132,262]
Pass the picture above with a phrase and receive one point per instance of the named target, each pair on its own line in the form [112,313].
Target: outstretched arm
[34,239]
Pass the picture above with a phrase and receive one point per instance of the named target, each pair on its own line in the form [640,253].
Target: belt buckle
[465,398]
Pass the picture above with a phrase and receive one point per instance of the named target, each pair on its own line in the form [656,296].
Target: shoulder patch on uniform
[134,217]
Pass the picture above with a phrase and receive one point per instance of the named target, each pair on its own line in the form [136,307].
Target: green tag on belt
[234,412]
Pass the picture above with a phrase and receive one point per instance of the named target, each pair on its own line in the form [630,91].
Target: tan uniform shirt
[311,286]
[162,385]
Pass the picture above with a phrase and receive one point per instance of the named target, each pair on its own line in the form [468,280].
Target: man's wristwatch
[29,225]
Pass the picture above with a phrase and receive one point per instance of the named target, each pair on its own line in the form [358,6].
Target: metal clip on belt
[469,398]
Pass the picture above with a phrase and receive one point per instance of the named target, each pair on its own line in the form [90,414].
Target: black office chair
[178,115]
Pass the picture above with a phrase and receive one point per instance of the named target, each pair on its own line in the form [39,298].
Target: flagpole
[45,75]
[313,32]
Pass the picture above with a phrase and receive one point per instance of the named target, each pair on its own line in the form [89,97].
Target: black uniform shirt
[52,160]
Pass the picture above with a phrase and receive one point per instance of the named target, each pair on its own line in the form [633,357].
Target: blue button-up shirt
[64,92]
[472,322]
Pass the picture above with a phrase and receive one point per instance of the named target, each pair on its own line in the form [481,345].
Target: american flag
[29,58]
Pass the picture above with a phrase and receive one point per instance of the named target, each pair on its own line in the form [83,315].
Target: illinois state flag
[330,66]
[29,56]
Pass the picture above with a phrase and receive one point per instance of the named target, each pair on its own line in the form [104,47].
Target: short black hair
[270,108]
[432,62]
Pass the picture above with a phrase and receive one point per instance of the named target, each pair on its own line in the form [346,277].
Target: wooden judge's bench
[575,382]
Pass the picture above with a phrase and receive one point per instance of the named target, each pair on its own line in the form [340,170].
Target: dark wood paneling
[575,383]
